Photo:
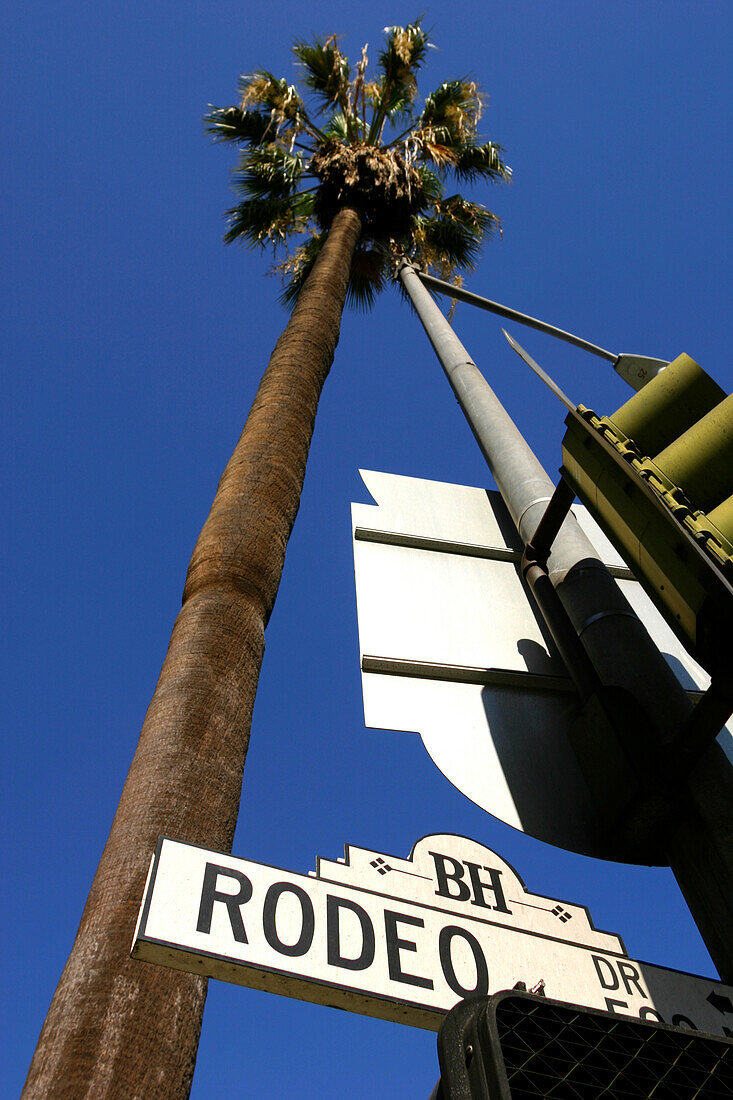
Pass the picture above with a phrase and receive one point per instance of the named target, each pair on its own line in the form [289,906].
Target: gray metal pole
[691,823]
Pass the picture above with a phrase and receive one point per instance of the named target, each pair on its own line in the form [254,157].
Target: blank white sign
[452,648]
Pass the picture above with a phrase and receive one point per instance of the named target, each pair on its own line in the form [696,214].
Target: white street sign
[401,939]
[452,649]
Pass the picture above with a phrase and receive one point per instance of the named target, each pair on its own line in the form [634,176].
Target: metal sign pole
[693,823]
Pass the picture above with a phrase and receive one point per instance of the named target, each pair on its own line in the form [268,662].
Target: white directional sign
[401,939]
[452,649]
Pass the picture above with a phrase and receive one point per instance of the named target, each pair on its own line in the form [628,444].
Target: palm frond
[326,70]
[234,124]
[453,235]
[268,220]
[297,267]
[263,90]
[452,111]
[270,171]
[468,160]
[436,147]
[390,100]
[337,127]
[367,277]
[404,52]
[480,162]
[348,131]
[432,186]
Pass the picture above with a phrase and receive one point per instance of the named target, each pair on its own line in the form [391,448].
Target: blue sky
[134,342]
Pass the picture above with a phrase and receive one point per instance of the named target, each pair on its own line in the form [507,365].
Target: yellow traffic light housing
[657,476]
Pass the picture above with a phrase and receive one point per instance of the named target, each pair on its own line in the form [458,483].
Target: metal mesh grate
[555,1052]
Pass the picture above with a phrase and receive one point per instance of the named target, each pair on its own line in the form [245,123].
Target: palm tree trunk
[122,1028]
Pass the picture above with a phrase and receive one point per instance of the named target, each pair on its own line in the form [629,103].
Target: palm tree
[357,180]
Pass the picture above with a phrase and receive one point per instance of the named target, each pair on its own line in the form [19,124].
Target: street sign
[452,648]
[401,939]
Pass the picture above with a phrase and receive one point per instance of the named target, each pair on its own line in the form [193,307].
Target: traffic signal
[516,1046]
[657,475]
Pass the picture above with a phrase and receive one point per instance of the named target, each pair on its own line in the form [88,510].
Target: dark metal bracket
[534,571]
[698,731]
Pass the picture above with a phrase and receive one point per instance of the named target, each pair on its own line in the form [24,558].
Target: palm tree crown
[370,150]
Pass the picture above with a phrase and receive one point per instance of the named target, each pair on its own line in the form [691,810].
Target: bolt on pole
[690,823]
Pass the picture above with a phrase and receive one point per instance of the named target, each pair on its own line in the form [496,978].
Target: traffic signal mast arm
[636,370]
